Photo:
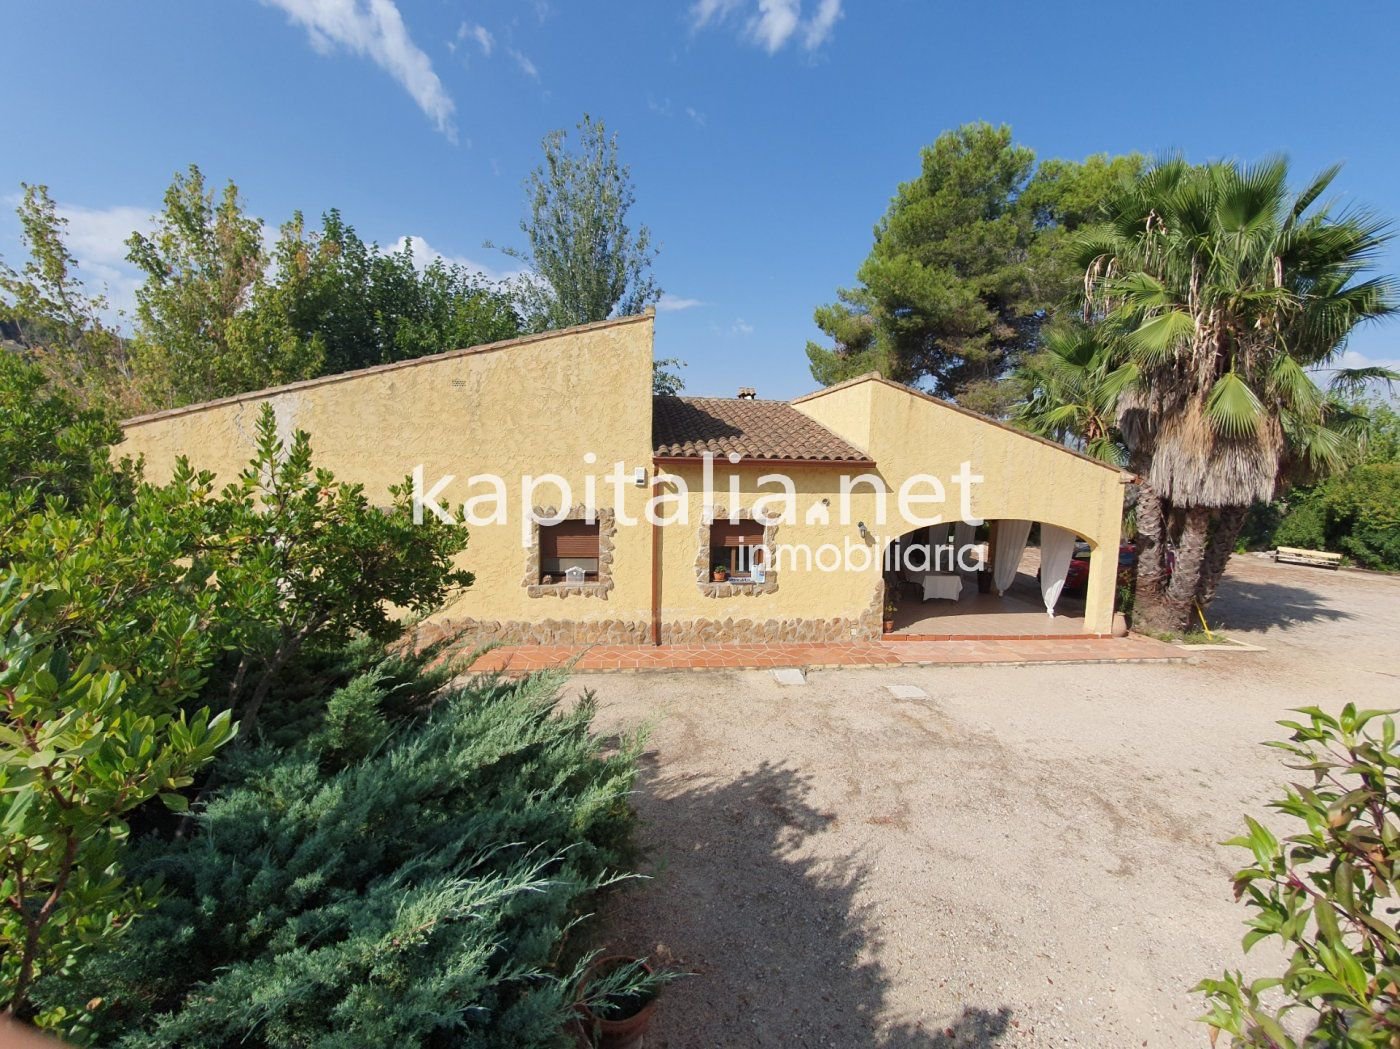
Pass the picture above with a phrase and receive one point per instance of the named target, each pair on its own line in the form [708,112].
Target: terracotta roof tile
[690,426]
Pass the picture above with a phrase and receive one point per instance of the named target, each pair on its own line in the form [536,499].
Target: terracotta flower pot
[625,1033]
[889,626]
[720,577]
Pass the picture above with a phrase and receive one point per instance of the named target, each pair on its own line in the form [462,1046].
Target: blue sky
[765,136]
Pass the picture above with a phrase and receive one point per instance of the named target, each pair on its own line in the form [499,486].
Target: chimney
[746,393]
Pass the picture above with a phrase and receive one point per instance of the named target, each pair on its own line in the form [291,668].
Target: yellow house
[598,512]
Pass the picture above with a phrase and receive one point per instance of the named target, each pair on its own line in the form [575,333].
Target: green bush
[385,883]
[1326,892]
[1363,509]
[81,747]
[1356,513]
[1304,524]
[386,861]
[48,444]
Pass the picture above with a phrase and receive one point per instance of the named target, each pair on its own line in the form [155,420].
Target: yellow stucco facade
[530,407]
[569,405]
[1022,477]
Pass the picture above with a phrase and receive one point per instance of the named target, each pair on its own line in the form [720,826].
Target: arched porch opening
[987,581]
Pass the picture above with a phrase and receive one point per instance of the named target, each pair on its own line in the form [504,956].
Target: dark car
[1077,578]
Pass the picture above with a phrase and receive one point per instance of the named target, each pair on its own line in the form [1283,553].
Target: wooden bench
[1296,556]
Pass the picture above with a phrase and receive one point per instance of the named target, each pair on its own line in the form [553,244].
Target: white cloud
[705,11]
[424,255]
[97,239]
[526,66]
[741,327]
[664,108]
[772,23]
[672,303]
[775,22]
[823,22]
[375,29]
[480,34]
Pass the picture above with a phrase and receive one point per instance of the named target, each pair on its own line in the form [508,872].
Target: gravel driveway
[1025,857]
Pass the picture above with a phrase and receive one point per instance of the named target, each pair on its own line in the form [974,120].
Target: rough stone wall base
[541,632]
[866,626]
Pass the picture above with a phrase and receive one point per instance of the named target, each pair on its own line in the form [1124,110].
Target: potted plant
[890,609]
[720,573]
[617,1000]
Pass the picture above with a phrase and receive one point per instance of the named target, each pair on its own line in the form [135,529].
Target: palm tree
[1217,291]
[1073,386]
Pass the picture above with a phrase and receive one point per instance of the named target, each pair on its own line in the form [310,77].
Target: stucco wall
[543,405]
[807,604]
[1023,478]
[529,407]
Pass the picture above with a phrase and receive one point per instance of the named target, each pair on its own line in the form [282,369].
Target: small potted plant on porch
[617,999]
[890,609]
[719,573]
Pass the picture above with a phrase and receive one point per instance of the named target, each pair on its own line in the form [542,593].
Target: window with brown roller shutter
[568,544]
[733,544]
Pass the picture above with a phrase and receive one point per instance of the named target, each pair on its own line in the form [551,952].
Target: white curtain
[1056,549]
[962,539]
[1011,544]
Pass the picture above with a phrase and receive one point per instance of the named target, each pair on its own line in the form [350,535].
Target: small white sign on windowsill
[573,575]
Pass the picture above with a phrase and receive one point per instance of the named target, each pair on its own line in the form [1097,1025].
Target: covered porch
[958,605]
[1017,614]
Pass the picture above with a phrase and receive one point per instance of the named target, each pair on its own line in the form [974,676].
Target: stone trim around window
[708,586]
[607,530]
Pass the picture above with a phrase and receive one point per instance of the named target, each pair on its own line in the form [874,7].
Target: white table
[942,586]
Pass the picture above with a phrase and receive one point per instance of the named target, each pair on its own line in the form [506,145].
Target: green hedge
[386,883]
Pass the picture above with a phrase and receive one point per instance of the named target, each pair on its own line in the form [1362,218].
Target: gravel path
[1026,857]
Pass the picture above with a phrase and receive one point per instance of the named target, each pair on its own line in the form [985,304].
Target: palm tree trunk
[1171,611]
[1228,523]
[1150,573]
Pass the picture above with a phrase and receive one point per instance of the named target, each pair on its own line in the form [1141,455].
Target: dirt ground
[1026,857]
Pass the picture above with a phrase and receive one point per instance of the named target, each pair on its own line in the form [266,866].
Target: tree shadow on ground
[782,947]
[1247,605]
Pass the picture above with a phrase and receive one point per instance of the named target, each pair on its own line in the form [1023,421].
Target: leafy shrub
[1363,508]
[303,560]
[47,443]
[1304,524]
[83,746]
[122,600]
[413,892]
[1327,892]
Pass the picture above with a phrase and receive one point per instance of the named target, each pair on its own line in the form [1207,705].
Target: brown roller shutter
[743,533]
[569,539]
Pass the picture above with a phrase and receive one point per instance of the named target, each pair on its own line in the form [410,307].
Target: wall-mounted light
[639,477]
[864,532]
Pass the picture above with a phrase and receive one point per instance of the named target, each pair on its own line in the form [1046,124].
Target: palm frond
[1233,408]
[1321,448]
[1353,382]
[1290,383]
[1311,192]
[1157,338]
